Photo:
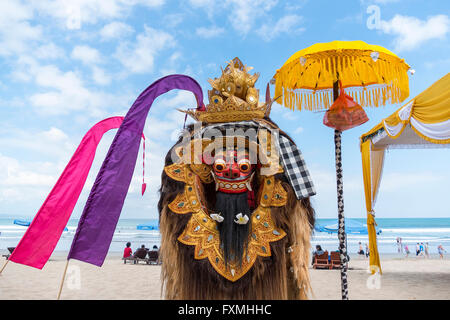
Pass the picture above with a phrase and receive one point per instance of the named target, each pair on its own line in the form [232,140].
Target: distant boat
[147,226]
[351,227]
[22,222]
[26,223]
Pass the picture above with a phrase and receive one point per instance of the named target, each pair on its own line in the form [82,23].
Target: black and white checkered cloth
[291,157]
[295,168]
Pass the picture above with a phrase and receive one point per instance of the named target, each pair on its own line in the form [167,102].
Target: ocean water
[435,231]
[10,234]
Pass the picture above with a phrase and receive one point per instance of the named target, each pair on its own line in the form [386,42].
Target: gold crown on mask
[234,97]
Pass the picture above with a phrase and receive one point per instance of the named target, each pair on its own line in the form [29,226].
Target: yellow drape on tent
[372,161]
[432,105]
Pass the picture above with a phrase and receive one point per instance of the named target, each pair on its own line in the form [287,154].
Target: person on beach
[441,251]
[427,253]
[406,251]
[141,252]
[360,250]
[417,249]
[367,251]
[401,244]
[155,249]
[127,252]
[421,250]
[319,251]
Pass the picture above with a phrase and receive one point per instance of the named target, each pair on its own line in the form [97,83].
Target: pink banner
[42,236]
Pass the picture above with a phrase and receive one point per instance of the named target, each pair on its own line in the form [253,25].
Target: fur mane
[283,275]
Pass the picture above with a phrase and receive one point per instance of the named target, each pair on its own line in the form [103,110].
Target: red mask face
[233,171]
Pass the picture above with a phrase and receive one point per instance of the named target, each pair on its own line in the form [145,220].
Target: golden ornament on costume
[233,97]
[202,231]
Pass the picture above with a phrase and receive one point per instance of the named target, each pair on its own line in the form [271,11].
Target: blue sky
[69,64]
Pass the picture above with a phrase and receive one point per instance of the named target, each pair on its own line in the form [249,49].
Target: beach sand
[412,278]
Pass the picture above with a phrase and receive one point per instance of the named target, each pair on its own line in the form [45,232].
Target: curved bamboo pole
[4,266]
[62,280]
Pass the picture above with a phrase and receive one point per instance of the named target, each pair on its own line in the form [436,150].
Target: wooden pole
[4,266]
[62,280]
[340,203]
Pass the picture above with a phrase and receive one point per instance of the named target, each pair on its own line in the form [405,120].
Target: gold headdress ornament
[233,97]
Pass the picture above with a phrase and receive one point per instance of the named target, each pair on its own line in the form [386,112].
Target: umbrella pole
[340,202]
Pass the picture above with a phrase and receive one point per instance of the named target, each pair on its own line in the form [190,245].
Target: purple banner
[104,205]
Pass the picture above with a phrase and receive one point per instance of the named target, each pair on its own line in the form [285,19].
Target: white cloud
[86,54]
[208,5]
[243,14]
[49,51]
[201,3]
[52,143]
[411,32]
[74,13]
[286,24]
[55,135]
[209,32]
[299,130]
[147,3]
[173,20]
[115,30]
[385,1]
[63,92]
[139,56]
[16,33]
[100,77]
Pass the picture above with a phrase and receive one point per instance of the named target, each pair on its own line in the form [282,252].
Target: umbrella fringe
[295,81]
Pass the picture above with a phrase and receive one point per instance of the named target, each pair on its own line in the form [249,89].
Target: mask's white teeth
[215,181]
[248,183]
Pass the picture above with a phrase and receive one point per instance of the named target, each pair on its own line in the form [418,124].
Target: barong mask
[230,188]
[233,171]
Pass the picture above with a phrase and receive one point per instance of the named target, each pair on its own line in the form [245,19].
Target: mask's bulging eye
[219,165]
[244,165]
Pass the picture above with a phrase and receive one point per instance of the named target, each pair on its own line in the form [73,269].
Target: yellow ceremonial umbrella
[370,74]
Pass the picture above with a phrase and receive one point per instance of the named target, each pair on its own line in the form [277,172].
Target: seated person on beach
[318,252]
[155,255]
[127,252]
[141,252]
